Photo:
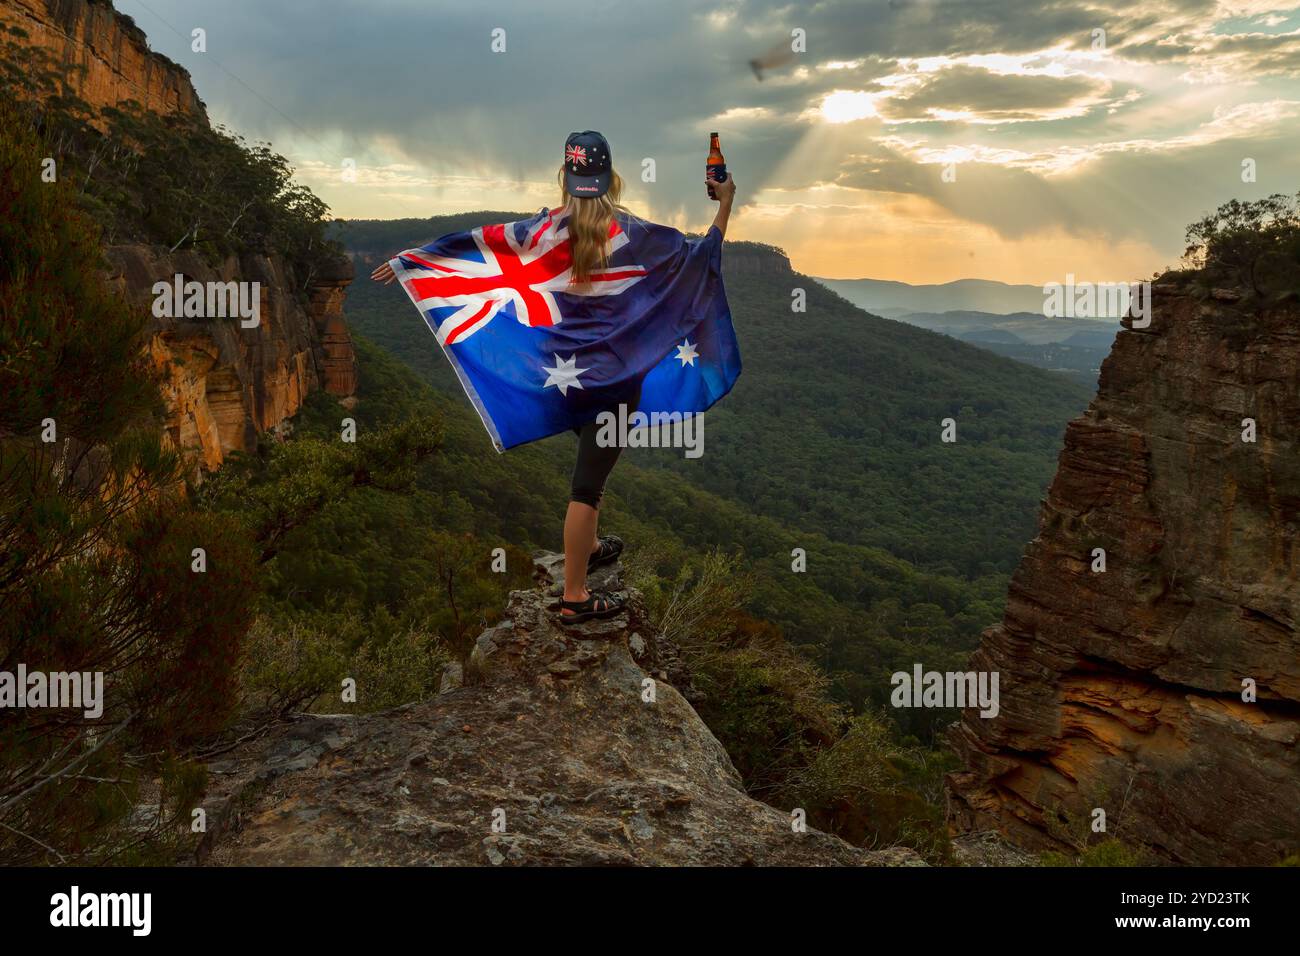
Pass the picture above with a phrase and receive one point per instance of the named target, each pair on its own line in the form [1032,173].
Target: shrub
[96,540]
[1251,245]
[771,708]
[1119,845]
[874,790]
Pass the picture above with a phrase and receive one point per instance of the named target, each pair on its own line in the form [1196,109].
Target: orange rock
[106,58]
[1122,690]
[224,385]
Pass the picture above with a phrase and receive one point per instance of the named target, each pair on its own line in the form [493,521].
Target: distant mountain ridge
[1007,320]
[891,298]
[867,395]
[1072,347]
[371,240]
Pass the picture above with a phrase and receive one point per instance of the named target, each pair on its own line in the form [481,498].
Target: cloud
[1141,190]
[974,94]
[1123,135]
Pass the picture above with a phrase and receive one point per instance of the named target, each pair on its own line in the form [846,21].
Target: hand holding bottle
[723,192]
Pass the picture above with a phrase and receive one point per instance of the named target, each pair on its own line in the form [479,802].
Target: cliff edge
[223,384]
[573,742]
[104,57]
[1122,689]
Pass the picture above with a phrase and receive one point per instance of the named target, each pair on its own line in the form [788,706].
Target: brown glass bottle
[715,167]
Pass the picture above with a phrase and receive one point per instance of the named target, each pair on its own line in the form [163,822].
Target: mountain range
[347,514]
[834,417]
[891,298]
[1001,318]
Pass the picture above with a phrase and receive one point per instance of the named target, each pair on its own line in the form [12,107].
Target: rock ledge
[549,732]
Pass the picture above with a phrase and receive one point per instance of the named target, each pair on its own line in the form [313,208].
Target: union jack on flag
[525,274]
[577,155]
[537,354]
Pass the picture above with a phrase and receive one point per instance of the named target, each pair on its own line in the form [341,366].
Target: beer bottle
[716,166]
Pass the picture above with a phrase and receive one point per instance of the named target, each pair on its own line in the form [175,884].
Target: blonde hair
[589,219]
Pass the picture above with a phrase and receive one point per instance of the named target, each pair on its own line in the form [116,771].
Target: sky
[917,140]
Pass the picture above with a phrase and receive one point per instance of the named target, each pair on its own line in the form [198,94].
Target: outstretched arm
[726,193]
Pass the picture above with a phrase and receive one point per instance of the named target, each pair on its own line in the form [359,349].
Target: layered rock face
[223,384]
[105,57]
[1122,689]
[553,738]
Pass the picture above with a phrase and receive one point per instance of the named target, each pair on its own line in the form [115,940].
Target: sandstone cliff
[552,735]
[1122,690]
[223,385]
[104,56]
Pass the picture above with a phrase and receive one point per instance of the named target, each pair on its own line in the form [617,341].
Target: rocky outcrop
[102,55]
[754,258]
[336,357]
[1122,689]
[558,747]
[223,385]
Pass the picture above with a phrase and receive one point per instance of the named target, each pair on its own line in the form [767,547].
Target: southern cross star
[686,354]
[564,375]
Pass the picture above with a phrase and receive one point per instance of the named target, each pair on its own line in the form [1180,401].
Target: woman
[591,191]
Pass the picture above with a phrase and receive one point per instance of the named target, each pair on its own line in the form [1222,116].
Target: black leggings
[594,462]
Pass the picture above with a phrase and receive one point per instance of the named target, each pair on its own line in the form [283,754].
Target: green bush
[873,789]
[298,660]
[1109,852]
[96,540]
[1252,245]
[1119,845]
[772,710]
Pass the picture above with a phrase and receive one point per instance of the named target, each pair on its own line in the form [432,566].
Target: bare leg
[579,542]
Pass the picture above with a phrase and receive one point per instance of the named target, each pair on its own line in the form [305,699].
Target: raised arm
[726,194]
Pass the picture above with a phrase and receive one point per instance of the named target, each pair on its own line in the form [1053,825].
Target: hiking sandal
[609,548]
[597,605]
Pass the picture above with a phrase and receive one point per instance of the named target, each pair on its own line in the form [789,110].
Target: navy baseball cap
[587,164]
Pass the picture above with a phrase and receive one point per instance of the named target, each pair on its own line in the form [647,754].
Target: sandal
[597,605]
[609,547]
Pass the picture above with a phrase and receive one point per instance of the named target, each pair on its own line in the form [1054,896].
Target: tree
[1251,245]
[98,573]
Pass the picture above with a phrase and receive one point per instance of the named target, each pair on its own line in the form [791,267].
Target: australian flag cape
[538,355]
